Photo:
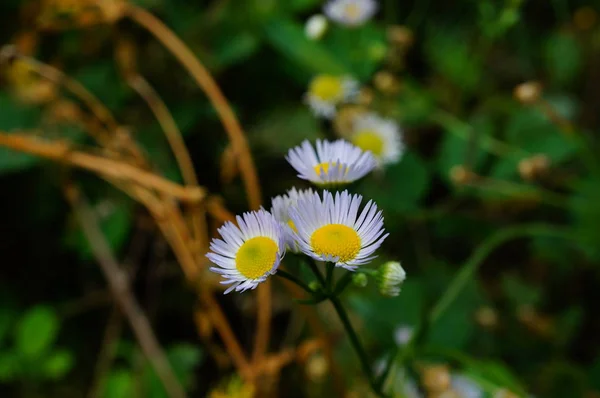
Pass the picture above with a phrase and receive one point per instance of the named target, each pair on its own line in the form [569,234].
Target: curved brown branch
[212,90]
[60,151]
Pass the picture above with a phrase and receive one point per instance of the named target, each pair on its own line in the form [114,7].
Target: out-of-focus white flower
[381,136]
[350,13]
[315,27]
[326,92]
[390,277]
[402,335]
[465,386]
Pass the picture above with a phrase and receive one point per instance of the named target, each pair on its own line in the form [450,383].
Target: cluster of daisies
[326,226]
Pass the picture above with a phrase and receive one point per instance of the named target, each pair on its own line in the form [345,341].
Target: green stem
[329,276]
[342,283]
[315,270]
[360,351]
[480,254]
[286,275]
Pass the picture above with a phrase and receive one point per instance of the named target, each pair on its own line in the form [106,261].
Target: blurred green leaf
[450,54]
[16,116]
[183,359]
[58,364]
[120,384]
[10,366]
[563,56]
[401,187]
[6,319]
[36,331]
[288,38]
[520,293]
[234,48]
[115,225]
[585,213]
[291,126]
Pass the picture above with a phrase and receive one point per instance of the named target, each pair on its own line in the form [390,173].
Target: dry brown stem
[119,284]
[60,151]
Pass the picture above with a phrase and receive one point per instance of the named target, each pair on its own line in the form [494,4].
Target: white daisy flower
[350,12]
[381,136]
[333,163]
[390,277]
[466,387]
[403,334]
[280,208]
[331,230]
[326,92]
[315,27]
[248,254]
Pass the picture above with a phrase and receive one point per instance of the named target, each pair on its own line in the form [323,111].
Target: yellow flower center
[327,88]
[256,257]
[323,168]
[369,140]
[292,225]
[352,11]
[336,240]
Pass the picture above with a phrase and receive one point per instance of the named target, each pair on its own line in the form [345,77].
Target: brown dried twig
[119,284]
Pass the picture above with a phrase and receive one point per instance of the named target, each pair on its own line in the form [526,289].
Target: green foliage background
[456,106]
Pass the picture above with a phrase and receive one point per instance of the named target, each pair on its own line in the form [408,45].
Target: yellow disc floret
[369,140]
[292,225]
[327,88]
[336,240]
[256,257]
[352,11]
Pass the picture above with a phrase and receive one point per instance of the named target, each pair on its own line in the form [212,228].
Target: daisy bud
[315,27]
[360,280]
[389,278]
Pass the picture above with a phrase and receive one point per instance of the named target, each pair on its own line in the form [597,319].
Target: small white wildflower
[315,27]
[326,92]
[350,13]
[402,335]
[381,136]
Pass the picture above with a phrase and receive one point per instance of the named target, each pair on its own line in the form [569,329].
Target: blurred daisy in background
[249,252]
[350,13]
[326,92]
[280,208]
[315,27]
[465,387]
[379,135]
[332,230]
[403,334]
[333,163]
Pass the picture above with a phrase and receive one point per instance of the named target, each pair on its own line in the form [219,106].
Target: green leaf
[10,366]
[36,331]
[183,359]
[450,54]
[362,50]
[401,187]
[288,38]
[563,57]
[234,48]
[16,116]
[58,364]
[519,293]
[455,150]
[119,384]
[6,319]
[115,226]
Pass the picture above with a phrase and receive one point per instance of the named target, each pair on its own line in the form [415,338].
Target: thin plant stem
[329,268]
[470,267]
[286,275]
[119,284]
[317,273]
[236,136]
[206,82]
[360,351]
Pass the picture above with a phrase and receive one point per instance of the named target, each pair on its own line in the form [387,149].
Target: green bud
[314,286]
[390,277]
[359,279]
